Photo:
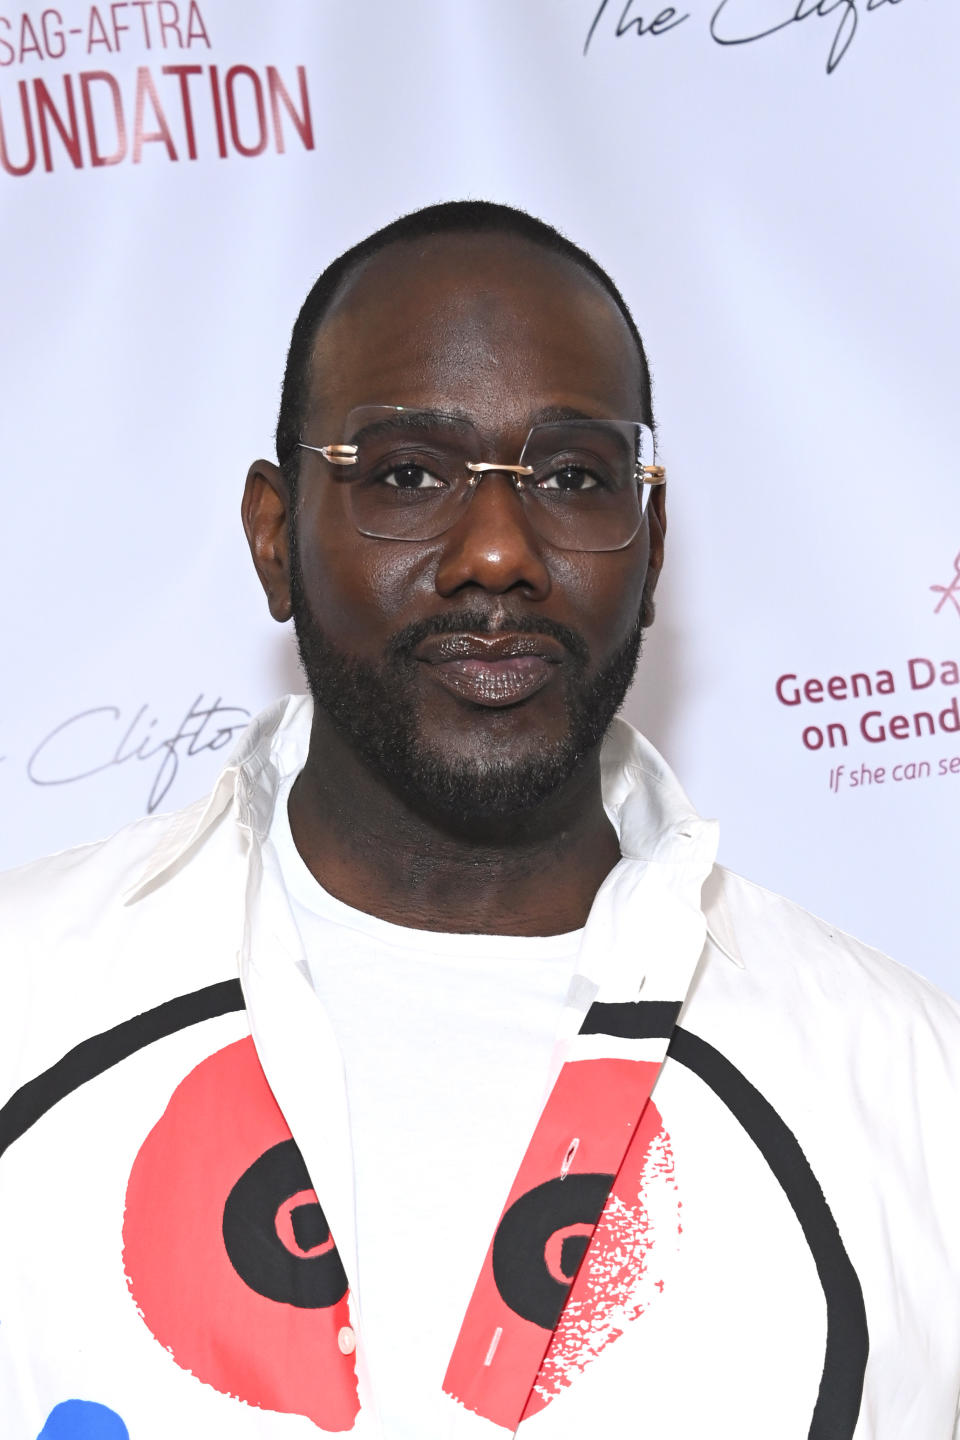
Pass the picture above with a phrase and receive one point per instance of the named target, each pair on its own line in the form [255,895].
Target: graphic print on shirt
[227,1252]
[838,1404]
[627,1263]
[505,1381]
[83,1420]
[575,1189]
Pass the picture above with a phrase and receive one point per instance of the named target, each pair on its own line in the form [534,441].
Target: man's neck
[535,873]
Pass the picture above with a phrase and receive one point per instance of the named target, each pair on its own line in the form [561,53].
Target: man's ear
[265,510]
[657,528]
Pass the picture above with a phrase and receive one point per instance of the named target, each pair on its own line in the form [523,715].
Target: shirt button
[347,1340]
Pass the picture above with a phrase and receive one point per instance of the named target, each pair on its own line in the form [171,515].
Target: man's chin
[479,790]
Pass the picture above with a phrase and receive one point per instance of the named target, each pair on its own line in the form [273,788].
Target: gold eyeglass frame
[347,455]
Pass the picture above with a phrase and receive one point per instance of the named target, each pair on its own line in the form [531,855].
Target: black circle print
[520,1269]
[257,1252]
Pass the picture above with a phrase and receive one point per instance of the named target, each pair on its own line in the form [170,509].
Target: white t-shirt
[446,1043]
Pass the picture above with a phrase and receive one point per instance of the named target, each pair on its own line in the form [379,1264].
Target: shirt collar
[643,798]
[276,738]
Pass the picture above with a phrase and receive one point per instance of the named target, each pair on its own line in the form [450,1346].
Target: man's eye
[569,477]
[411,477]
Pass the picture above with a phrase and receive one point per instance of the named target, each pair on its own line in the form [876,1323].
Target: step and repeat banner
[773,185]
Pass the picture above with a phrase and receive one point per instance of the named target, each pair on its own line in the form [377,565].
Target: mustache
[477,622]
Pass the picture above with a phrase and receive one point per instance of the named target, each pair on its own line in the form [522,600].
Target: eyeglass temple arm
[336,454]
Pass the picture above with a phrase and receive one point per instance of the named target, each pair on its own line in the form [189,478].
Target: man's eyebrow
[411,420]
[562,412]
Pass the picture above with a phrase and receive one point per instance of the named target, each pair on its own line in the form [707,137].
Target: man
[429,1079]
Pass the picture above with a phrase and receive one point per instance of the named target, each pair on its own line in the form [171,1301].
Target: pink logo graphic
[949,592]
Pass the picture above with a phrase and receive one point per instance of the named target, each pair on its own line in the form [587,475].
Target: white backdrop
[781,213]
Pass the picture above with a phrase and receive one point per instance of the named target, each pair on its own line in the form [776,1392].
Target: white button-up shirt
[737,1215]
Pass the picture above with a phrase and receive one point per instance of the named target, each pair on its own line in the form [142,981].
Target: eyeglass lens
[411,479]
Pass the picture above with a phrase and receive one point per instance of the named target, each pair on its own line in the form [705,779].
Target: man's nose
[493,544]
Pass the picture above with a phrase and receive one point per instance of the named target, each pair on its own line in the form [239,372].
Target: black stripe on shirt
[632,1019]
[92,1057]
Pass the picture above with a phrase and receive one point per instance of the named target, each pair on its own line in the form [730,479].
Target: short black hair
[451,217]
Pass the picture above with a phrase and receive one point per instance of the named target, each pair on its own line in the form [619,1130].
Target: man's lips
[491,670]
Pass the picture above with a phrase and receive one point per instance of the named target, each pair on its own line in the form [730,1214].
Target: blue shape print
[83,1420]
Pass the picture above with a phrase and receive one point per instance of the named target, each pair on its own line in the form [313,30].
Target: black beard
[371,708]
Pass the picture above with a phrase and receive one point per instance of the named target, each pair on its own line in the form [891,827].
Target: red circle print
[255,1316]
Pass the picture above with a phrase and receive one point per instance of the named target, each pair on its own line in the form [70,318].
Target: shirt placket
[646,932]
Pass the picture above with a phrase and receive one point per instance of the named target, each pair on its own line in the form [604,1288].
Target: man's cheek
[604,613]
[342,600]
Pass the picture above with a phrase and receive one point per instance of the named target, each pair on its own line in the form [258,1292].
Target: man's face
[402,641]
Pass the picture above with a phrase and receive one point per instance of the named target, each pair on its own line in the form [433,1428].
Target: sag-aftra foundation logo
[85,105]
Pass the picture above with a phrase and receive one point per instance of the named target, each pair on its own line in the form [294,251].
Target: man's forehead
[470,320]
[463,262]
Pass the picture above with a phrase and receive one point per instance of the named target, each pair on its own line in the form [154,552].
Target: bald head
[489,268]
[493,326]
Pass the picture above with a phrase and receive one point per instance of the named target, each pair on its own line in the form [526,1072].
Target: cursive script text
[109,739]
[781,14]
[660,24]
[742,22]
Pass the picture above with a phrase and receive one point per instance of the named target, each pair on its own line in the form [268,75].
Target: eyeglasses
[409,475]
